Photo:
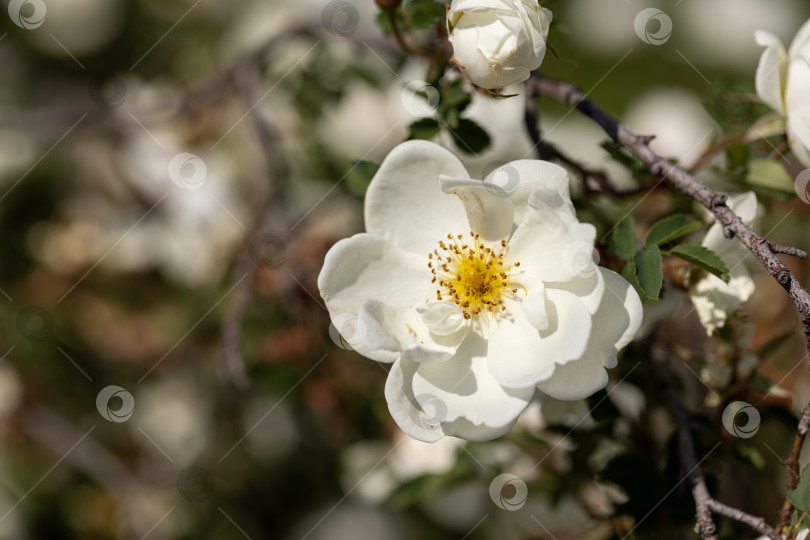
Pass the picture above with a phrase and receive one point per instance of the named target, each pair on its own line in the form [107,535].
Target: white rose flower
[783,82]
[498,42]
[478,292]
[714,299]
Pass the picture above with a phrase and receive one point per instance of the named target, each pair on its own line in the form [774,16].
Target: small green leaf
[670,228]
[649,271]
[800,497]
[769,174]
[470,137]
[772,345]
[424,128]
[701,257]
[360,175]
[622,241]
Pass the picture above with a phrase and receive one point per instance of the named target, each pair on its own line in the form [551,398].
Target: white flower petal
[457,397]
[366,267]
[800,40]
[714,300]
[615,323]
[441,318]
[489,209]
[405,203]
[408,333]
[520,355]
[798,131]
[771,71]
[550,242]
[523,177]
[534,307]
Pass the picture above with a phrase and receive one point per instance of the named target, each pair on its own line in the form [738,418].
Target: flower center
[470,274]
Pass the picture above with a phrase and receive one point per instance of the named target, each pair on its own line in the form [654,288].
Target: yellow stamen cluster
[472,275]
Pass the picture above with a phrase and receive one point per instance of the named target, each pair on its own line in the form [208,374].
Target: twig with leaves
[638,145]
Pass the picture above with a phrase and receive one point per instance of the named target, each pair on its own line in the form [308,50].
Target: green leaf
[470,137]
[649,271]
[800,497]
[622,241]
[701,257]
[752,455]
[424,128]
[769,174]
[360,175]
[736,156]
[670,228]
[423,13]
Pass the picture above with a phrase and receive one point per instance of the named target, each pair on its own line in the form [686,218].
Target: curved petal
[771,71]
[366,267]
[615,323]
[800,40]
[405,203]
[798,131]
[409,336]
[519,355]
[489,209]
[523,177]
[551,244]
[458,397]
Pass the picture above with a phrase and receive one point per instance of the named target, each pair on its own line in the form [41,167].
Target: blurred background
[171,176]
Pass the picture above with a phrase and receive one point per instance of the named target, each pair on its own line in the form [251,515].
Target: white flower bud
[498,42]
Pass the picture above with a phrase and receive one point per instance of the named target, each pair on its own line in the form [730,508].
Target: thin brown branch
[247,81]
[549,152]
[689,462]
[705,504]
[793,464]
[572,96]
[757,523]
